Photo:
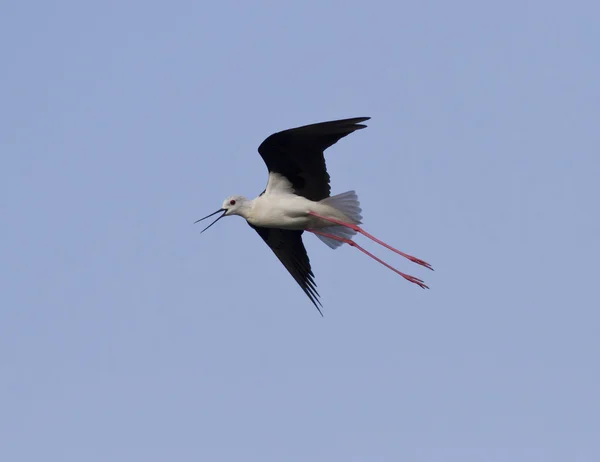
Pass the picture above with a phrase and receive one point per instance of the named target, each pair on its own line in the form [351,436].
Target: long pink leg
[373,238]
[408,277]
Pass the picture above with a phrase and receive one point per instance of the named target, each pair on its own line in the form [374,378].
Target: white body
[279,207]
[288,211]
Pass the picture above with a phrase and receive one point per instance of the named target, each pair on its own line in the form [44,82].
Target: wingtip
[315,300]
[319,309]
[357,122]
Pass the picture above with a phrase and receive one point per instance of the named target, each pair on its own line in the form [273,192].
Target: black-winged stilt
[297,199]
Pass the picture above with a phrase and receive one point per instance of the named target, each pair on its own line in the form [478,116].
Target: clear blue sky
[126,335]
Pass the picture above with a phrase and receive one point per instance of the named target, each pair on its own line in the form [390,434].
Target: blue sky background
[125,335]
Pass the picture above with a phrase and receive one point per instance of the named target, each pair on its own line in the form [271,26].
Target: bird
[297,198]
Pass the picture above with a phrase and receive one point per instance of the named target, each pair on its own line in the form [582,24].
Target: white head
[233,205]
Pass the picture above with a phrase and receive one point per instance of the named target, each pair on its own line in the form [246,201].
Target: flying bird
[297,199]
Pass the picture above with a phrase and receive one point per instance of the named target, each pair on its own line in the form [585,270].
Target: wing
[289,248]
[297,154]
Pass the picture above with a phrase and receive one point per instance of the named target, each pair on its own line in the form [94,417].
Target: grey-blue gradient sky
[125,335]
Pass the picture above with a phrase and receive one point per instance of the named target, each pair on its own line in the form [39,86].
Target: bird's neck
[245,208]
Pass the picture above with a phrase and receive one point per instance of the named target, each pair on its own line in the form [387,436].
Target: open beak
[207,216]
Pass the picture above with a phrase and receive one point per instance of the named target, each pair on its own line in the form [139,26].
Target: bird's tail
[348,204]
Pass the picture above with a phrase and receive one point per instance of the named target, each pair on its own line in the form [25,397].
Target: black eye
[232,202]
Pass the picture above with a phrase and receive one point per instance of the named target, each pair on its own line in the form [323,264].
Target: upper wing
[297,154]
[289,248]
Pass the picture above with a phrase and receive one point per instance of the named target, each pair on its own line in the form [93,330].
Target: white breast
[286,211]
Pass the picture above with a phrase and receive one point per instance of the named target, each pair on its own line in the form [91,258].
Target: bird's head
[233,205]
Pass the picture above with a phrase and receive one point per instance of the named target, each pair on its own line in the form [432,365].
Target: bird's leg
[408,277]
[358,229]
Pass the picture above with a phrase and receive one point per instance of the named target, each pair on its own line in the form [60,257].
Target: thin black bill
[208,216]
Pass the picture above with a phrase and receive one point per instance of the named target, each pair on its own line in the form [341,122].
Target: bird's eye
[232,202]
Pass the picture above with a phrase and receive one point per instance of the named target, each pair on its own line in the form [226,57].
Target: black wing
[297,154]
[289,248]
